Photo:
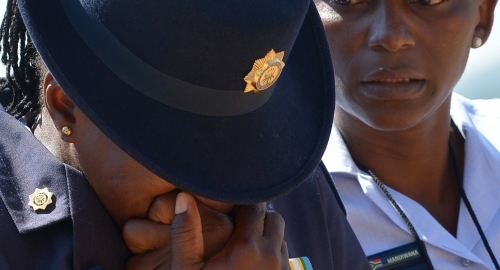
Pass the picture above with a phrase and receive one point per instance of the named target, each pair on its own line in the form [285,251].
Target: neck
[46,132]
[414,161]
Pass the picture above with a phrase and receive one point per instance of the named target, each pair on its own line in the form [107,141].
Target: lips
[389,84]
[404,80]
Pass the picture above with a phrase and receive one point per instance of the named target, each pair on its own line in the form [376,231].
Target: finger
[246,243]
[274,227]
[186,234]
[284,249]
[273,247]
[143,235]
[284,256]
[217,229]
[257,242]
[249,220]
[163,207]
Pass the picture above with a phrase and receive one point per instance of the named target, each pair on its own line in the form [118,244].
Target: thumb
[186,234]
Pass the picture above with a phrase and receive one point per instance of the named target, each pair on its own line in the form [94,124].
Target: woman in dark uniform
[147,99]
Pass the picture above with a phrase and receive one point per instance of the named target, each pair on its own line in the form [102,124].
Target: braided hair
[24,68]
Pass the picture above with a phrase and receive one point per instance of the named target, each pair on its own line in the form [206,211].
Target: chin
[390,123]
[386,118]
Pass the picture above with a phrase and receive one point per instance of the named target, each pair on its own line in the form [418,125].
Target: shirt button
[467,263]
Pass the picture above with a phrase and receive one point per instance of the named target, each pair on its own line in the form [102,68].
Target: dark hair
[24,68]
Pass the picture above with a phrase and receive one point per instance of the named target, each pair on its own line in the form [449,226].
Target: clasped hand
[182,233]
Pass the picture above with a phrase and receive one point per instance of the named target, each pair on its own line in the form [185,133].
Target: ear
[59,106]
[486,14]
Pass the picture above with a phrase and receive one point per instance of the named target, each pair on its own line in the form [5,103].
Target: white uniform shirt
[379,227]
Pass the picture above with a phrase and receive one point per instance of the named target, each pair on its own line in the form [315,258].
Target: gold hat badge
[265,72]
[40,199]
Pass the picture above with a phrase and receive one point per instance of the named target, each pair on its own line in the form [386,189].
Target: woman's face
[397,61]
[125,187]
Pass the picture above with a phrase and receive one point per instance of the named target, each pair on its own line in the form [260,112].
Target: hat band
[150,81]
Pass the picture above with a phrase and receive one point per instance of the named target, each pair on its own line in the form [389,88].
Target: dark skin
[396,63]
[257,239]
[166,230]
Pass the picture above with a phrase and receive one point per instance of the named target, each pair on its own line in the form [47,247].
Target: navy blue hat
[166,80]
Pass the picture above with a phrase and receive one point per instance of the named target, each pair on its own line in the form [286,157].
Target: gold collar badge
[40,199]
[265,72]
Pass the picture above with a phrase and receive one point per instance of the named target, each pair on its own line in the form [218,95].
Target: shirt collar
[337,157]
[480,128]
[25,164]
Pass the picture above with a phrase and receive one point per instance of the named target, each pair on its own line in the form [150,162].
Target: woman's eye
[429,2]
[346,2]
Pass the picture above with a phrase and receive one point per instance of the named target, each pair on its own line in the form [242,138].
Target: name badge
[407,257]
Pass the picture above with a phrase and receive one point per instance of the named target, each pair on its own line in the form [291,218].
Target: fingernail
[181,203]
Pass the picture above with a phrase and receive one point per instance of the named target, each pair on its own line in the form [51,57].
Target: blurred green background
[481,78]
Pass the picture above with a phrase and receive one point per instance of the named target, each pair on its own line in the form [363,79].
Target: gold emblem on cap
[40,199]
[265,72]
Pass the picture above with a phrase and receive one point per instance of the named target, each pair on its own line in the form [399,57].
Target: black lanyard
[459,178]
[421,245]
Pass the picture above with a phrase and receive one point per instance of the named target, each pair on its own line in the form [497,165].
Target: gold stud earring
[477,42]
[66,131]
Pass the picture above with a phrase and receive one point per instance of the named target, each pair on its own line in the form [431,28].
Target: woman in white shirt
[420,184]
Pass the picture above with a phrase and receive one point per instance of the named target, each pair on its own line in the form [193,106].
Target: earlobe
[483,28]
[60,108]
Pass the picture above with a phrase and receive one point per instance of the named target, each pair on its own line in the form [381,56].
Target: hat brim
[239,159]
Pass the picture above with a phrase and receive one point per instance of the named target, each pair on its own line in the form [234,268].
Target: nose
[390,29]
